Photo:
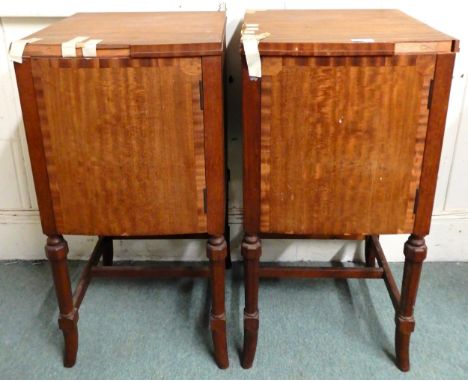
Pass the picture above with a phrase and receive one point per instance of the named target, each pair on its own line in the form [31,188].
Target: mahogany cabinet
[342,139]
[124,122]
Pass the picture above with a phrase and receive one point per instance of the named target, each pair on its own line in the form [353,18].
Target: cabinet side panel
[251,105]
[214,143]
[35,146]
[124,144]
[434,139]
[342,141]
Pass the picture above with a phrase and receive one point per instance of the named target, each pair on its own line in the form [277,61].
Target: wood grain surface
[346,32]
[137,34]
[342,141]
[124,143]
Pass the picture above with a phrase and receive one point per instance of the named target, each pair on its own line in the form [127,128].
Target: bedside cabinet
[342,139]
[124,122]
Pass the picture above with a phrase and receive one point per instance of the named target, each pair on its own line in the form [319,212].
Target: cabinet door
[124,144]
[342,141]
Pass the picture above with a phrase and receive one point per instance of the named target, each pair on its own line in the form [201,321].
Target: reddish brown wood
[212,69]
[328,32]
[415,252]
[137,34]
[133,127]
[251,104]
[56,251]
[85,277]
[216,252]
[118,146]
[434,139]
[342,139]
[135,271]
[251,252]
[321,272]
[27,95]
[390,283]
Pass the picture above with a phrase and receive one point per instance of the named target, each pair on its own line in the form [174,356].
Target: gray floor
[159,329]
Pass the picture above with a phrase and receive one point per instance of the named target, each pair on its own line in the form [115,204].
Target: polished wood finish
[342,139]
[251,252]
[97,144]
[129,145]
[135,271]
[216,252]
[370,114]
[85,278]
[321,272]
[375,247]
[215,166]
[415,252]
[56,251]
[134,34]
[327,32]
[33,131]
[251,110]
[433,144]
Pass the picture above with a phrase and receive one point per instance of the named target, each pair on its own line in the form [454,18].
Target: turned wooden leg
[415,252]
[107,251]
[369,252]
[251,252]
[56,251]
[216,252]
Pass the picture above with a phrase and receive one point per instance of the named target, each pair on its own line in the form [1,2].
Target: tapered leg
[369,252]
[415,252]
[251,252]
[107,251]
[56,251]
[216,252]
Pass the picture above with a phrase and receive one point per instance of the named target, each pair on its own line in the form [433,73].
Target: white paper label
[89,48]
[69,47]
[252,56]
[17,49]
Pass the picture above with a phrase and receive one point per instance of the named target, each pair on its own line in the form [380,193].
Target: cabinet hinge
[204,201]
[429,96]
[200,87]
[416,201]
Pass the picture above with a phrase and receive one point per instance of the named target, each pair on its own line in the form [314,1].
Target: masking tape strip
[252,55]
[89,48]
[17,49]
[69,47]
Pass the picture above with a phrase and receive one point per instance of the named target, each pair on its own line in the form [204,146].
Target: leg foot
[251,252]
[69,327]
[107,252]
[216,252]
[56,251]
[415,252]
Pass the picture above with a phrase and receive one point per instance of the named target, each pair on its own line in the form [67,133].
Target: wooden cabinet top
[344,32]
[136,34]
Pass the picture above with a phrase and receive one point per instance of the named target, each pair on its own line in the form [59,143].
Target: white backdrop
[20,232]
